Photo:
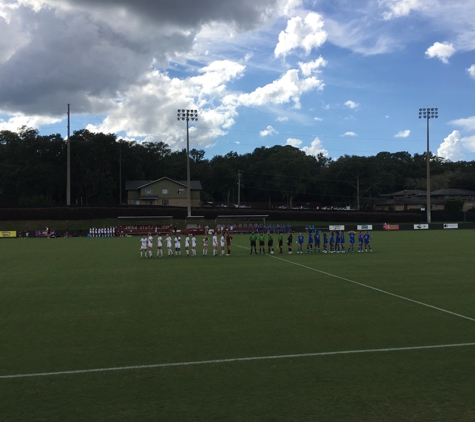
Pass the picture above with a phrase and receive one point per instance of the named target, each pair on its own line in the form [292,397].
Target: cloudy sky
[331,76]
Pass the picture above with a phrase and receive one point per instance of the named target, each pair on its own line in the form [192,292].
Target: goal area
[240,223]
[139,225]
[194,224]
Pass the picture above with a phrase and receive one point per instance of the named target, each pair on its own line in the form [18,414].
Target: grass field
[83,304]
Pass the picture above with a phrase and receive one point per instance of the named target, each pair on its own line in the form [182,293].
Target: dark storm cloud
[89,52]
[187,13]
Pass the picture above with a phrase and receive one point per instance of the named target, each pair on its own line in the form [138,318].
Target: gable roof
[139,184]
[453,192]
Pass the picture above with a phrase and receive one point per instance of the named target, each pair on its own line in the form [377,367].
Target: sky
[333,77]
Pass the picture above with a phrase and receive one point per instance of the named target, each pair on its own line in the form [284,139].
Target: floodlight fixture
[187,115]
[428,113]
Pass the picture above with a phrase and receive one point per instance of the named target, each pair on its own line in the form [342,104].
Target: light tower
[187,115]
[428,113]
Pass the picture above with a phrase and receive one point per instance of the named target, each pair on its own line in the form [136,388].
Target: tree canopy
[33,172]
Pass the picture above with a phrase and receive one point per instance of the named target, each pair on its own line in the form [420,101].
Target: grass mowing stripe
[372,288]
[254,358]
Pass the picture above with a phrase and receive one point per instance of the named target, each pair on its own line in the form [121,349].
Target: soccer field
[89,331]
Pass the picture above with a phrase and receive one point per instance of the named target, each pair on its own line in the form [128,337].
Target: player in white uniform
[150,245]
[187,245]
[222,242]
[159,246]
[143,246]
[205,245]
[177,245]
[193,245]
[215,244]
[169,245]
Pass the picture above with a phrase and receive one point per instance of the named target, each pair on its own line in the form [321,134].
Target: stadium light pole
[428,113]
[68,162]
[187,115]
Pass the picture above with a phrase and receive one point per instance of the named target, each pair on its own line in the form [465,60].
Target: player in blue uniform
[360,241]
[337,242]
[342,241]
[325,243]
[367,242]
[310,242]
[317,241]
[351,234]
[332,242]
[299,243]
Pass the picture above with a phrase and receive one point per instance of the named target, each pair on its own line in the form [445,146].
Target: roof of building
[408,200]
[452,192]
[139,184]
[407,192]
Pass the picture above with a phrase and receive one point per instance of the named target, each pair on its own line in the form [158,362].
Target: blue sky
[327,76]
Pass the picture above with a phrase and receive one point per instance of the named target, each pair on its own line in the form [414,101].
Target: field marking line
[371,287]
[254,358]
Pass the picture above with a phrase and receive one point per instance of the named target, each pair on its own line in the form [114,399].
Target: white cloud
[442,51]
[307,34]
[403,134]
[317,119]
[269,131]
[399,8]
[360,34]
[149,110]
[471,71]
[315,148]
[294,142]
[467,124]
[312,67]
[17,121]
[282,119]
[351,104]
[452,147]
[288,88]
[469,143]
[349,134]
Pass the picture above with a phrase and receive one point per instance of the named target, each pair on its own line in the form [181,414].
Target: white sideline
[371,287]
[376,289]
[208,362]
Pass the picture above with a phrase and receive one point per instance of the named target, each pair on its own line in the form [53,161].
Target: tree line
[33,172]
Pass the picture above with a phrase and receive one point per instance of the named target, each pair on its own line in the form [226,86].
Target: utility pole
[358,192]
[120,173]
[239,188]
[68,165]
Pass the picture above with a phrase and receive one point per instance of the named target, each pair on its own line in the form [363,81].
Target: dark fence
[91,213]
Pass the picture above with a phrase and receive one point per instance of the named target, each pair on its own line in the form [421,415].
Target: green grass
[74,304]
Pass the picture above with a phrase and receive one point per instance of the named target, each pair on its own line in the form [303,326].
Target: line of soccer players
[173,245]
[317,241]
